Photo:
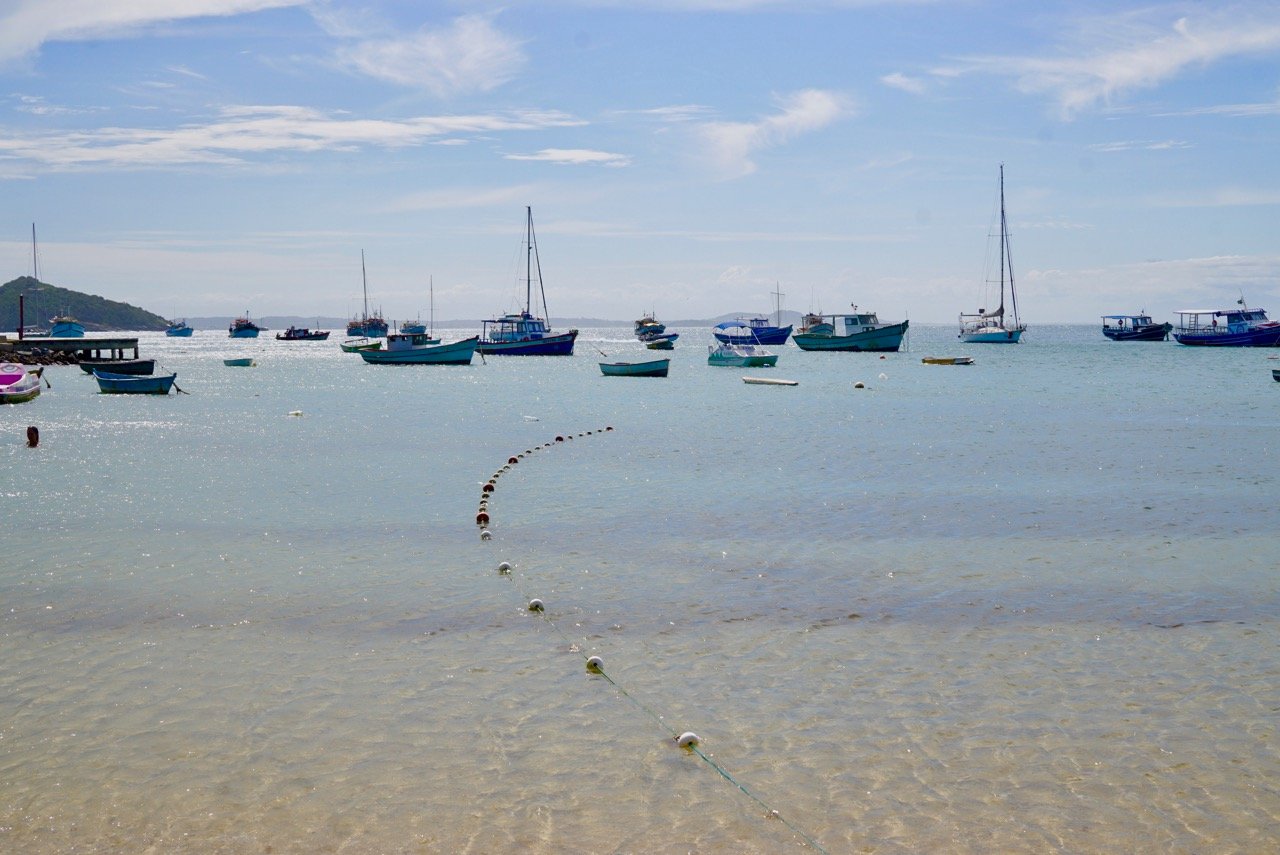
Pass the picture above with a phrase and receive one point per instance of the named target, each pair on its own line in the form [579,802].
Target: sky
[210,157]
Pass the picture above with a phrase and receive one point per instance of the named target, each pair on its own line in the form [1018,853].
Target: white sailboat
[985,327]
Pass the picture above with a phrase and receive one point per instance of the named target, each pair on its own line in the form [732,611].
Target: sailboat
[992,327]
[523,334]
[367,326]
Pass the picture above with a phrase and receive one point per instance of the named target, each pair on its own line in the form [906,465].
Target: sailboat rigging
[525,334]
[991,327]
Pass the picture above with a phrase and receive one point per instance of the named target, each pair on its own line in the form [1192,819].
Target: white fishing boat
[995,327]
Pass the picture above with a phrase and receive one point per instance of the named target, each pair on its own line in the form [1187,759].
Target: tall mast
[1006,252]
[364,282]
[1004,237]
[35,259]
[528,258]
[777,303]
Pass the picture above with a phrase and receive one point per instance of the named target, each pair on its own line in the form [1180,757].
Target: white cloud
[731,145]
[575,156]
[914,85]
[470,55]
[465,197]
[1113,56]
[25,25]
[243,132]
[1144,145]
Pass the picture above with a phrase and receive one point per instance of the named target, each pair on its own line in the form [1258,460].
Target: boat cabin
[1220,320]
[408,341]
[521,327]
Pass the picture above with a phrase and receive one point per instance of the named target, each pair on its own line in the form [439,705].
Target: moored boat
[667,341]
[860,331]
[367,325]
[131,384]
[421,349]
[755,330]
[1137,327]
[652,368]
[993,327]
[17,384]
[302,334]
[740,355]
[947,360]
[118,366]
[179,329]
[355,345]
[240,362]
[414,327]
[243,327]
[1242,327]
[522,333]
[1275,374]
[65,326]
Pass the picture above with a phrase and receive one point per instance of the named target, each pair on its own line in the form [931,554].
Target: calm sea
[1029,605]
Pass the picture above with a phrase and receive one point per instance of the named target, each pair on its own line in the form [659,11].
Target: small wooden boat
[355,345]
[240,362]
[17,384]
[422,349]
[1275,374]
[118,366]
[662,342]
[769,381]
[947,360]
[132,384]
[653,368]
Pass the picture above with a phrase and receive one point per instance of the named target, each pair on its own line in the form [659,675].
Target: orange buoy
[512,461]
[487,488]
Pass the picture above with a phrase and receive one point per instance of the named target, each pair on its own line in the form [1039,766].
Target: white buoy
[485,534]
[535,605]
[504,567]
[884,376]
[688,739]
[595,663]
[295,412]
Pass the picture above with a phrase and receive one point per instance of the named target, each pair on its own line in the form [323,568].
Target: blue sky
[204,157]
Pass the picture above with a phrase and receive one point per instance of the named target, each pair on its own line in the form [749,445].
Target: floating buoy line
[686,740]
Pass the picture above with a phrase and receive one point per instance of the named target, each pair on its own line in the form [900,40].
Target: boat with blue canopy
[1137,327]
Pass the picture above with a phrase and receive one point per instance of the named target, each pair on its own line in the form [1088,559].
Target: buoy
[559,439]
[610,427]
[688,739]
[535,605]
[482,518]
[485,535]
[295,412]
[511,461]
[859,385]
[596,664]
[884,376]
[504,567]
[33,436]
[487,488]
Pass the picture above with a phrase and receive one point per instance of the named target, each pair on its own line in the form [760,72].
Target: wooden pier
[65,351]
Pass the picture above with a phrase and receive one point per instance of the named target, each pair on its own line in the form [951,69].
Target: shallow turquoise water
[1027,605]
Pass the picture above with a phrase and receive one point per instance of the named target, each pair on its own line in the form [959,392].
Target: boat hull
[66,329]
[1264,336]
[759,361]
[128,384]
[1155,332]
[240,362]
[758,335]
[119,366]
[303,336]
[887,338]
[551,345]
[454,353]
[179,332]
[245,333]
[652,368]
[992,336]
[947,360]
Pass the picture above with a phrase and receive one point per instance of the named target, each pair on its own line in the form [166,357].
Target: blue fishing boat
[367,325]
[65,326]
[1242,327]
[421,349]
[522,333]
[755,330]
[179,329]
[131,384]
[860,331]
[1138,327]
[243,327]
[983,327]
[652,368]
[414,327]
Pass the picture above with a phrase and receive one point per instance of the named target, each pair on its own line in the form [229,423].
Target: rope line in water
[535,606]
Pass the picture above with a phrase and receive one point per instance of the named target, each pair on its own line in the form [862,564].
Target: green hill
[43,301]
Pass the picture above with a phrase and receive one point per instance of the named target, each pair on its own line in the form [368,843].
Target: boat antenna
[432,286]
[364,284]
[537,261]
[1006,256]
[35,257]
[777,301]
